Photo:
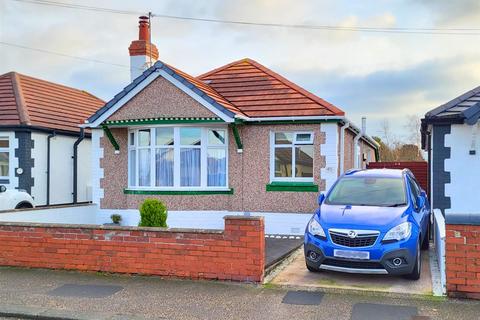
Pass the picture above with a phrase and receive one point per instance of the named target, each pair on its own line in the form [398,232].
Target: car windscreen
[368,191]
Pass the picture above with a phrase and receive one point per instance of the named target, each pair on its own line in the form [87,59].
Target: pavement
[49,294]
[295,274]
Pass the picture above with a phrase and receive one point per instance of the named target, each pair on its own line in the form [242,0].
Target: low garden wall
[463,259]
[235,253]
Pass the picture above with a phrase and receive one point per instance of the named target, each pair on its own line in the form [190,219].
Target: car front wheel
[417,269]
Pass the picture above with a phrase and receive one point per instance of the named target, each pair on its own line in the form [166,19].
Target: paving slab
[296,275]
[375,311]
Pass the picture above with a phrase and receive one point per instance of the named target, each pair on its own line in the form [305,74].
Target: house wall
[439,175]
[249,173]
[463,168]
[61,169]
[161,99]
[349,161]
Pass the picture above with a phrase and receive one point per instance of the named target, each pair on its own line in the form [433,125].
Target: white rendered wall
[97,170]
[39,170]
[138,64]
[464,169]
[13,161]
[330,151]
[61,169]
[275,223]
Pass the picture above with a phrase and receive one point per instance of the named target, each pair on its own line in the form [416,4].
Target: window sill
[178,192]
[292,186]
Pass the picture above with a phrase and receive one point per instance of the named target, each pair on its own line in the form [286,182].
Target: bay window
[291,156]
[168,158]
[4,157]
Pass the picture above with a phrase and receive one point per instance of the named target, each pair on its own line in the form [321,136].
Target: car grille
[352,264]
[361,240]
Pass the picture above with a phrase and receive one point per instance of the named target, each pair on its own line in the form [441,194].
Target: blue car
[371,221]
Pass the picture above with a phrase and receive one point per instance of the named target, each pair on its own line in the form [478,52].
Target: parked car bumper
[381,256]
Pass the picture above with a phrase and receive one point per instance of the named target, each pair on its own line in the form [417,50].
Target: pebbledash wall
[248,174]
[236,253]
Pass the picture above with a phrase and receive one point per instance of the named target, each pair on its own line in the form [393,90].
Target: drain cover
[303,298]
[372,311]
[85,291]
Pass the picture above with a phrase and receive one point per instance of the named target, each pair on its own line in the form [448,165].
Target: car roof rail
[352,171]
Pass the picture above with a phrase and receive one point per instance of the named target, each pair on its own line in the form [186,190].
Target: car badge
[352,234]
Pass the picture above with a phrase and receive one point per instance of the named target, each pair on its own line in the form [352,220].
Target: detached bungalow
[237,138]
[40,139]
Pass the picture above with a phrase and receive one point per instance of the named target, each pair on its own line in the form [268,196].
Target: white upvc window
[5,156]
[291,156]
[178,158]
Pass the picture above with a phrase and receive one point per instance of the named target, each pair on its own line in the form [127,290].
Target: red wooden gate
[418,168]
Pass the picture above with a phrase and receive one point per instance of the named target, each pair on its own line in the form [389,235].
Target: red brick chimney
[143,54]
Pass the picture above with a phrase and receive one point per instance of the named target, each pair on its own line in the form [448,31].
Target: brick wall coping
[108,227]
[463,218]
[127,228]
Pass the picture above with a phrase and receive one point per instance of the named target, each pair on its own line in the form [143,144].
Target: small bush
[116,218]
[153,213]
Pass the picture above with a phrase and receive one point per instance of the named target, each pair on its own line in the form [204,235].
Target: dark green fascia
[178,192]
[236,135]
[292,186]
[111,138]
[166,120]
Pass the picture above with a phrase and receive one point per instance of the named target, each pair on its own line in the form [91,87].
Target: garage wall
[61,169]
[464,169]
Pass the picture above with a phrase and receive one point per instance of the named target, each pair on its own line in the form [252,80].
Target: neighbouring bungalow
[239,138]
[450,135]
[40,139]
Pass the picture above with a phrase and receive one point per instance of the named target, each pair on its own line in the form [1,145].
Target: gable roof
[463,109]
[30,101]
[201,89]
[258,91]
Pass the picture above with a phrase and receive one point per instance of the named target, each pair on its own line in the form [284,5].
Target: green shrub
[153,213]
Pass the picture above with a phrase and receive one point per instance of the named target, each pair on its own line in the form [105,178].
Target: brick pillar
[247,236]
[463,260]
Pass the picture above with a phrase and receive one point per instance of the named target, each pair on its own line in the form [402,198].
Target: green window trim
[164,120]
[178,192]
[236,135]
[111,138]
[281,186]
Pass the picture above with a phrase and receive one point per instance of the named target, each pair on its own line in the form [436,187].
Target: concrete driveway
[295,274]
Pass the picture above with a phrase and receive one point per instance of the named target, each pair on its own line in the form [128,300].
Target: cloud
[452,13]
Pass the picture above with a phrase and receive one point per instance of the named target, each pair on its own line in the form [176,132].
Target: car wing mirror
[420,202]
[321,198]
[3,188]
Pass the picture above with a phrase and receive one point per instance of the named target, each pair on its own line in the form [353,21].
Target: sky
[386,77]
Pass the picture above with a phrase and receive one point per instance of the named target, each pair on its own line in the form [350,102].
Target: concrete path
[295,274]
[47,294]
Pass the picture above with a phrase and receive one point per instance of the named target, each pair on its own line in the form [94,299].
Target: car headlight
[315,228]
[400,232]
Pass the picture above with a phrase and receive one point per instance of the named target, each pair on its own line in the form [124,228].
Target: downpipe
[75,164]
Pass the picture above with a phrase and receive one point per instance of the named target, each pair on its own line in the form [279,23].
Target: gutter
[49,137]
[75,164]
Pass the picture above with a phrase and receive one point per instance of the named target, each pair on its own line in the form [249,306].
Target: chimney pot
[144,29]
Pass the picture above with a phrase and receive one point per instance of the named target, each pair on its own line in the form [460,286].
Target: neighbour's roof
[25,100]
[465,108]
[259,92]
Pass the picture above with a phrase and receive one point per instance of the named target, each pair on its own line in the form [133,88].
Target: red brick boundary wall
[236,253]
[462,255]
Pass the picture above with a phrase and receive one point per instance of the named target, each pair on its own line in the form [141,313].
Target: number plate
[361,255]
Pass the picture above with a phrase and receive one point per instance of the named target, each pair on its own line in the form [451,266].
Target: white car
[14,199]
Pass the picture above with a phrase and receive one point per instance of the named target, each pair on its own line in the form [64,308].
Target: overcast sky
[377,75]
